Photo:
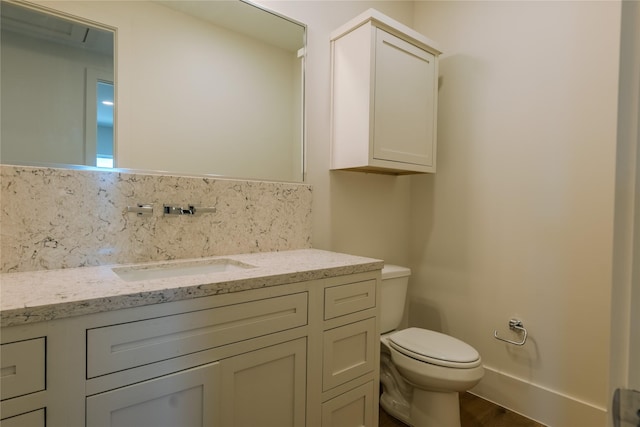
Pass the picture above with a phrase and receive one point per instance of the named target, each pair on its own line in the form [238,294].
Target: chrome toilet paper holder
[514,325]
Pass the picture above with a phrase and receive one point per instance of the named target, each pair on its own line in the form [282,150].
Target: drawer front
[345,299]
[119,347]
[353,408]
[23,367]
[30,419]
[348,352]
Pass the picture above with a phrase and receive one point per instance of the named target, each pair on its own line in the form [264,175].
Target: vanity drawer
[345,299]
[30,419]
[23,367]
[353,408]
[124,346]
[348,352]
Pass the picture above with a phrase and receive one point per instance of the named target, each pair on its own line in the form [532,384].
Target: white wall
[518,221]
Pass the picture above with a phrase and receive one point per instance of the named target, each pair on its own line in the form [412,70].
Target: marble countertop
[38,296]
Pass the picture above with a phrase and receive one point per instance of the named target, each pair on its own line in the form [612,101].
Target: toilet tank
[393,292]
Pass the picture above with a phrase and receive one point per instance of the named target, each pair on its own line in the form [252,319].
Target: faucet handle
[141,210]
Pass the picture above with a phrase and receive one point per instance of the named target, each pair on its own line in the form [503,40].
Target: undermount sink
[187,268]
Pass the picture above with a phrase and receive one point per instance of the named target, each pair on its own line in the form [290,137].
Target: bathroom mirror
[199,87]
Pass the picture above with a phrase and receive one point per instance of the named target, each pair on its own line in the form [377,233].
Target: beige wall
[518,221]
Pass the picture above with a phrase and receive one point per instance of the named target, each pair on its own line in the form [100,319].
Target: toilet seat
[434,348]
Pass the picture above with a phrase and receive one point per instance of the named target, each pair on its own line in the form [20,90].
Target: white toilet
[421,371]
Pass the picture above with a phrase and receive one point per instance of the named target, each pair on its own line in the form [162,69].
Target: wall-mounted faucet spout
[197,210]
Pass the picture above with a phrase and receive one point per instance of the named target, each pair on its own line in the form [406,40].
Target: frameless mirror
[195,87]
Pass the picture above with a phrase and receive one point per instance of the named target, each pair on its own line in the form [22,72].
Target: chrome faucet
[176,210]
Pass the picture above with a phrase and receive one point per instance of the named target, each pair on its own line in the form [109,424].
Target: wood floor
[475,412]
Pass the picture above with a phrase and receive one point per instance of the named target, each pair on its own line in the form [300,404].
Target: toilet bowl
[421,371]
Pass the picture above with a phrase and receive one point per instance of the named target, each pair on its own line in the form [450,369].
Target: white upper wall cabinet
[384,97]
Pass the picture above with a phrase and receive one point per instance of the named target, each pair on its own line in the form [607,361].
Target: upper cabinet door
[384,97]
[404,103]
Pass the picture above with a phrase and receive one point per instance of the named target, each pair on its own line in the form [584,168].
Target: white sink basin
[187,268]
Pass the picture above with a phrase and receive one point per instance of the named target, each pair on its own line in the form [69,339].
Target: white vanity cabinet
[202,367]
[384,97]
[264,387]
[296,354]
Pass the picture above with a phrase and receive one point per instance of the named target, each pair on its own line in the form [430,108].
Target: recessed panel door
[404,101]
[266,387]
[186,399]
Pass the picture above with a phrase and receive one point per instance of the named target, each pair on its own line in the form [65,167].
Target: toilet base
[413,406]
[396,409]
[435,409]
[420,394]
[396,393]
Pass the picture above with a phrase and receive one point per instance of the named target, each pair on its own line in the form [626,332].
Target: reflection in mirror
[46,61]
[203,87]
[104,123]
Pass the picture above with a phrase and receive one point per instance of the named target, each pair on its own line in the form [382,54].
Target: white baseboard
[545,406]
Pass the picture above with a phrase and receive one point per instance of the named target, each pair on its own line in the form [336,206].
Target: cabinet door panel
[184,399]
[265,387]
[404,104]
[351,409]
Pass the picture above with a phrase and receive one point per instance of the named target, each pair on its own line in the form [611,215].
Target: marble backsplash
[62,218]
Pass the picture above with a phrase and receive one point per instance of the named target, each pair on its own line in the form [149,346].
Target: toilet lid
[434,347]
